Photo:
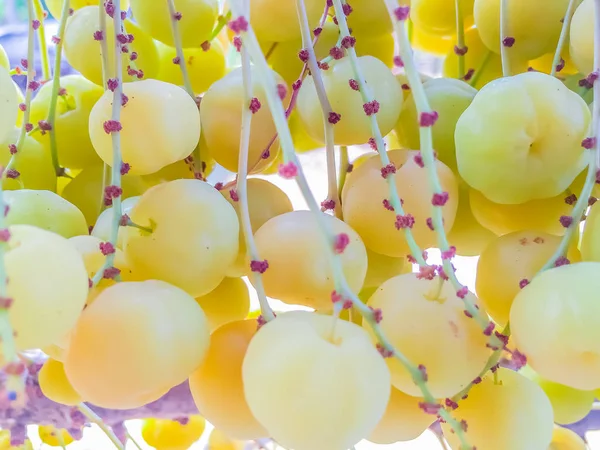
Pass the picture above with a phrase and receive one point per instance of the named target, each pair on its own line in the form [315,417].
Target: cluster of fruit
[126,266]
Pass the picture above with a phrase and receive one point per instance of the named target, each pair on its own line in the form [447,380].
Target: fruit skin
[103,227]
[286,26]
[590,240]
[46,210]
[381,268]
[217,386]
[449,98]
[160,126]
[197,20]
[9,104]
[158,336]
[73,142]
[528,146]
[535,33]
[430,43]
[219,441]
[228,302]
[565,439]
[491,421]
[437,17]
[552,321]
[581,43]
[164,434]
[354,127]
[194,237]
[345,386]
[427,324]
[365,189]
[55,385]
[4,62]
[48,436]
[299,271]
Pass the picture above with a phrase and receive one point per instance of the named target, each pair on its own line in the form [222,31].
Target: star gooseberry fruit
[528,145]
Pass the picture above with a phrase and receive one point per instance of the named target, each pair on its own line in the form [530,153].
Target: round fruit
[103,227]
[164,434]
[55,385]
[354,126]
[228,302]
[160,125]
[381,268]
[299,270]
[344,381]
[285,27]
[8,104]
[428,325]
[438,17]
[141,339]
[528,146]
[49,436]
[582,37]
[565,439]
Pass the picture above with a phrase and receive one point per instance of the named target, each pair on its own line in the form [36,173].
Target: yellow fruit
[160,126]
[141,339]
[528,146]
[491,421]
[219,441]
[73,143]
[380,46]
[381,268]
[4,61]
[299,270]
[9,104]
[544,63]
[582,37]
[590,242]
[103,227]
[55,385]
[49,435]
[430,328]
[354,126]
[438,17]
[217,385]
[55,352]
[48,283]
[228,302]
[432,43]
[46,210]
[285,27]
[371,17]
[194,238]
[552,322]
[164,434]
[565,439]
[344,381]
[365,191]
[197,20]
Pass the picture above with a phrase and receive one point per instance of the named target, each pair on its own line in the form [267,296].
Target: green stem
[178,47]
[39,11]
[221,22]
[91,415]
[135,442]
[503,35]
[56,86]
[343,169]
[479,71]
[563,36]
[460,34]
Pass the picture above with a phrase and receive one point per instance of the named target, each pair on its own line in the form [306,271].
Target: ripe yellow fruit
[158,336]
[219,441]
[299,269]
[380,46]
[48,283]
[221,115]
[552,322]
[544,63]
[344,381]
[507,262]
[432,43]
[286,26]
[73,109]
[49,435]
[217,386]
[354,126]
[528,146]
[55,6]
[160,126]
[365,191]
[428,325]
[381,268]
[228,302]
[164,434]
[403,420]
[438,17]
[194,238]
[491,421]
[103,227]
[371,17]
[4,61]
[535,25]
[9,104]
[265,201]
[83,51]
[565,439]
[449,98]
[46,210]
[55,385]
[582,37]
[590,240]
[541,215]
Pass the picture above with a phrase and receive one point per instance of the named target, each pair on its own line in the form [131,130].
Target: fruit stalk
[117,163]
[43,46]
[563,37]
[179,49]
[344,167]
[242,185]
[503,36]
[481,68]
[56,86]
[460,39]
[291,161]
[91,415]
[31,84]
[426,139]
[6,331]
[332,187]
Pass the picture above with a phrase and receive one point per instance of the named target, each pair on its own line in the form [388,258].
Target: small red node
[519,359]
[33,85]
[508,41]
[109,8]
[571,199]
[353,84]
[15,368]
[426,273]
[377,314]
[373,144]
[90,283]
[125,167]
[106,248]
[589,143]
[460,51]
[110,193]
[303,55]
[489,329]
[405,87]
[281,91]
[112,126]
[371,107]
[561,261]
[218,186]
[24,63]
[469,75]
[524,282]
[347,9]
[387,205]
[350,168]
[423,371]
[55,40]
[238,25]
[328,205]
[12,148]
[340,243]
[111,273]
[477,380]
[592,200]
[288,170]
[403,222]
[439,199]
[430,408]
[254,105]
[317,31]
[335,297]
[384,351]
[112,84]
[13,173]
[464,426]
[124,221]
[261,321]
[296,85]
[334,118]
[561,65]
[348,41]
[336,53]
[177,16]
[468,314]
[566,221]
[123,15]
[4,235]
[176,60]
[237,43]
[419,160]
[234,195]
[44,126]
[388,170]
[462,292]
[29,127]
[122,38]
[205,46]
[35,24]
[428,119]
[133,56]
[402,13]
[442,273]
[451,403]
[450,253]
[124,99]
[62,92]
[259,266]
